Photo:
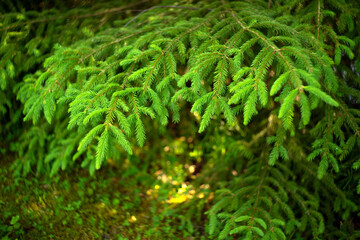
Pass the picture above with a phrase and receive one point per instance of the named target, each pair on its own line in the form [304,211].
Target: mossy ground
[121,201]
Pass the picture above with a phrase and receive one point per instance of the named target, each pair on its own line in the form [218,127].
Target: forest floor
[117,203]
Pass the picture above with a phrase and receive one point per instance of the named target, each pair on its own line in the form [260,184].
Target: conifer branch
[77,16]
[274,78]
[157,7]
[318,19]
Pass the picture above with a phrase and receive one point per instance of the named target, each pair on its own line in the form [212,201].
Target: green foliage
[243,210]
[267,78]
[71,206]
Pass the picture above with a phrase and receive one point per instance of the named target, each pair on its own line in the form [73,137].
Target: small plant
[14,227]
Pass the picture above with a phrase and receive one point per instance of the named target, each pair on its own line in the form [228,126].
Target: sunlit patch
[178,199]
[182,138]
[100,205]
[200,195]
[197,116]
[174,182]
[164,178]
[113,212]
[204,186]
[149,192]
[181,190]
[158,172]
[191,169]
[132,219]
[178,146]
[196,153]
[183,194]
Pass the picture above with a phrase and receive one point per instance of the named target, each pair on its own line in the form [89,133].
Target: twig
[318,19]
[145,10]
[102,12]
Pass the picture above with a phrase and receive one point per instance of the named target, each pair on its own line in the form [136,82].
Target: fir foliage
[276,82]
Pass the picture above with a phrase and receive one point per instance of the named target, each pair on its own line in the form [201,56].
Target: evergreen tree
[273,87]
